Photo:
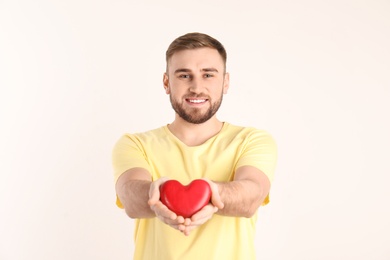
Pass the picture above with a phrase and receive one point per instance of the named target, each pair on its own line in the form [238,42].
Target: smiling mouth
[196,101]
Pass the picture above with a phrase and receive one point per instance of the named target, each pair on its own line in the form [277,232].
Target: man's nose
[196,85]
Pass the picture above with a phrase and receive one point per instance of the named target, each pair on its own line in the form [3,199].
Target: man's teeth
[197,100]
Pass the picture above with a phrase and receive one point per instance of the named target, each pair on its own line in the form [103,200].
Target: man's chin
[196,119]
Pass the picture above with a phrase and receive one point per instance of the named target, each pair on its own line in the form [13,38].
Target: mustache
[200,96]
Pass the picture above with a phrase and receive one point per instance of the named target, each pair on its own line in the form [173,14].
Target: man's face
[196,81]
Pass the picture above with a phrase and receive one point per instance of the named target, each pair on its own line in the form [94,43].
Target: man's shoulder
[149,134]
[248,135]
[244,130]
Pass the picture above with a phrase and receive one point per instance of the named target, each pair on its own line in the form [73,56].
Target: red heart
[185,200]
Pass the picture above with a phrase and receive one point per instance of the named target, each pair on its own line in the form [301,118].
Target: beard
[194,115]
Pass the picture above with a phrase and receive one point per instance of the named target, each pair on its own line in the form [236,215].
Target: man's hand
[178,222]
[198,219]
[215,196]
[205,213]
[162,212]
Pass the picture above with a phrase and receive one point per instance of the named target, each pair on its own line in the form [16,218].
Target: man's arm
[240,197]
[132,189]
[245,194]
[141,197]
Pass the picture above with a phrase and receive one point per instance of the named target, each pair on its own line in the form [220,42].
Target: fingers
[168,217]
[203,215]
[161,211]
[154,191]
[215,197]
[184,225]
[199,218]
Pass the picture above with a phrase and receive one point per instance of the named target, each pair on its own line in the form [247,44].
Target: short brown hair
[195,40]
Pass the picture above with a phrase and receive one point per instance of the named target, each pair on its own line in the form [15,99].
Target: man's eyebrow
[188,70]
[182,70]
[210,70]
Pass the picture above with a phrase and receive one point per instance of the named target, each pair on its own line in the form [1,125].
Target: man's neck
[195,134]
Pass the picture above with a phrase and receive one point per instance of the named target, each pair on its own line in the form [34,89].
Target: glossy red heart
[185,200]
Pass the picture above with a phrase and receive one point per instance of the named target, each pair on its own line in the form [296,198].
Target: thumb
[215,197]
[154,191]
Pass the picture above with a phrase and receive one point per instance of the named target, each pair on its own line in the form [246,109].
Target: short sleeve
[127,153]
[259,150]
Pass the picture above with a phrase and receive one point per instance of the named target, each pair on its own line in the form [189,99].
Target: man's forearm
[245,194]
[134,195]
[240,198]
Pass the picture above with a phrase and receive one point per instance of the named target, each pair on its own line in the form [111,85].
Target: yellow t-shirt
[162,154]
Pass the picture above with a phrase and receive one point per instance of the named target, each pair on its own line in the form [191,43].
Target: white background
[76,75]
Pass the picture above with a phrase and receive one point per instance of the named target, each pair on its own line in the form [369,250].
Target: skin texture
[196,82]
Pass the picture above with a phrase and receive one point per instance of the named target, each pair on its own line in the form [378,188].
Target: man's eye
[184,76]
[208,75]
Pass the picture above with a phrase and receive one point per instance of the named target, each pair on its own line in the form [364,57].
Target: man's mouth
[196,101]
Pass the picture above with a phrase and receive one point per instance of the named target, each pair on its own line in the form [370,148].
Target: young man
[237,162]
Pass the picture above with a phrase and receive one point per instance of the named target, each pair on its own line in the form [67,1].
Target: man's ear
[166,83]
[226,83]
